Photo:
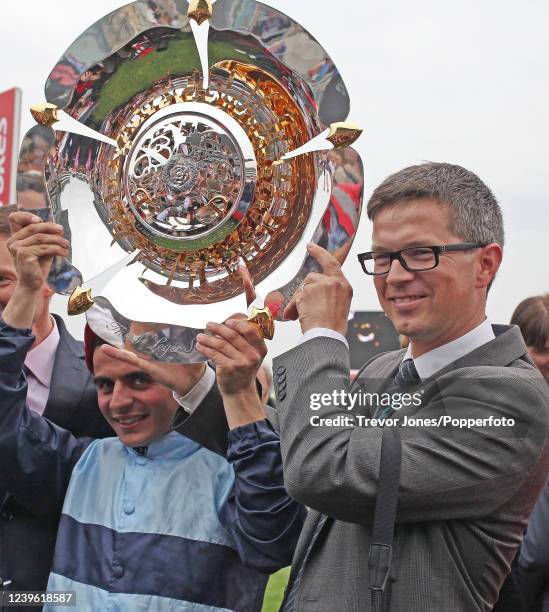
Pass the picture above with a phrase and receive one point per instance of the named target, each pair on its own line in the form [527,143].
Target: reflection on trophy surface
[194,159]
[185,176]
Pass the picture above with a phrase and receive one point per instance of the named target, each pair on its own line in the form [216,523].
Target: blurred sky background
[433,80]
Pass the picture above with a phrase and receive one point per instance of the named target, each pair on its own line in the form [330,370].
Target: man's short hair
[532,317]
[5,212]
[475,213]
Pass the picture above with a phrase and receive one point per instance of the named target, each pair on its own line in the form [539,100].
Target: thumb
[290,312]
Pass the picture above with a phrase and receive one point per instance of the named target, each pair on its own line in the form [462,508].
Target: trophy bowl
[197,137]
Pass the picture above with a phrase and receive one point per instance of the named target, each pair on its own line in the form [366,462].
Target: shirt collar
[431,362]
[40,360]
[171,446]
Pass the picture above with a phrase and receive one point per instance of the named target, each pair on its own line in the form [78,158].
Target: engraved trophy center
[180,173]
[184,176]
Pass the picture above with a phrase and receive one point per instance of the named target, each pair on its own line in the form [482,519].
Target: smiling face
[137,408]
[439,305]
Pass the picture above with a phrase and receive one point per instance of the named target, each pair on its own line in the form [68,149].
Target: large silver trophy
[194,159]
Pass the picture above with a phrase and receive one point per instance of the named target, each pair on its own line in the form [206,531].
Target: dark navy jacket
[27,539]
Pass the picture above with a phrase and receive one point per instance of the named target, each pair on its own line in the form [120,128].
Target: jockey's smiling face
[137,408]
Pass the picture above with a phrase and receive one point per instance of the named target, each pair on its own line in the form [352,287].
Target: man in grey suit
[466,486]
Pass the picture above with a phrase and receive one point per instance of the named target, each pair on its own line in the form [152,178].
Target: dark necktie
[406,377]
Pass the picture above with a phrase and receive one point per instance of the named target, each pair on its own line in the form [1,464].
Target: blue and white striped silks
[143,533]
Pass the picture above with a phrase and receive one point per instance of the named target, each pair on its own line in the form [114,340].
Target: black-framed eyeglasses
[413,259]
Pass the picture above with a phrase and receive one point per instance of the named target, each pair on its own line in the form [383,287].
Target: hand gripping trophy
[204,137]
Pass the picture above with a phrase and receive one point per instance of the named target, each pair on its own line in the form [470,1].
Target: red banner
[10,111]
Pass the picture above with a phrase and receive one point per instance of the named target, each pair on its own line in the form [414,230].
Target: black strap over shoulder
[381,549]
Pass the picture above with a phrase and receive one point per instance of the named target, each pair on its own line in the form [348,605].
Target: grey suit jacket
[465,494]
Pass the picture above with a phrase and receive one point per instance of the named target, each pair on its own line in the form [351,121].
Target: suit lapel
[384,371]
[69,379]
[507,347]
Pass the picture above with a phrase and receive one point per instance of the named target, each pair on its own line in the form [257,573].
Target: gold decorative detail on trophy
[80,301]
[343,134]
[276,213]
[200,10]
[262,319]
[45,114]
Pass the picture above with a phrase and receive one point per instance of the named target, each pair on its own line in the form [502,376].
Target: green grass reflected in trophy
[176,139]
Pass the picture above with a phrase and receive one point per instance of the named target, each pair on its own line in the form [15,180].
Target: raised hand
[324,299]
[178,377]
[237,350]
[33,245]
